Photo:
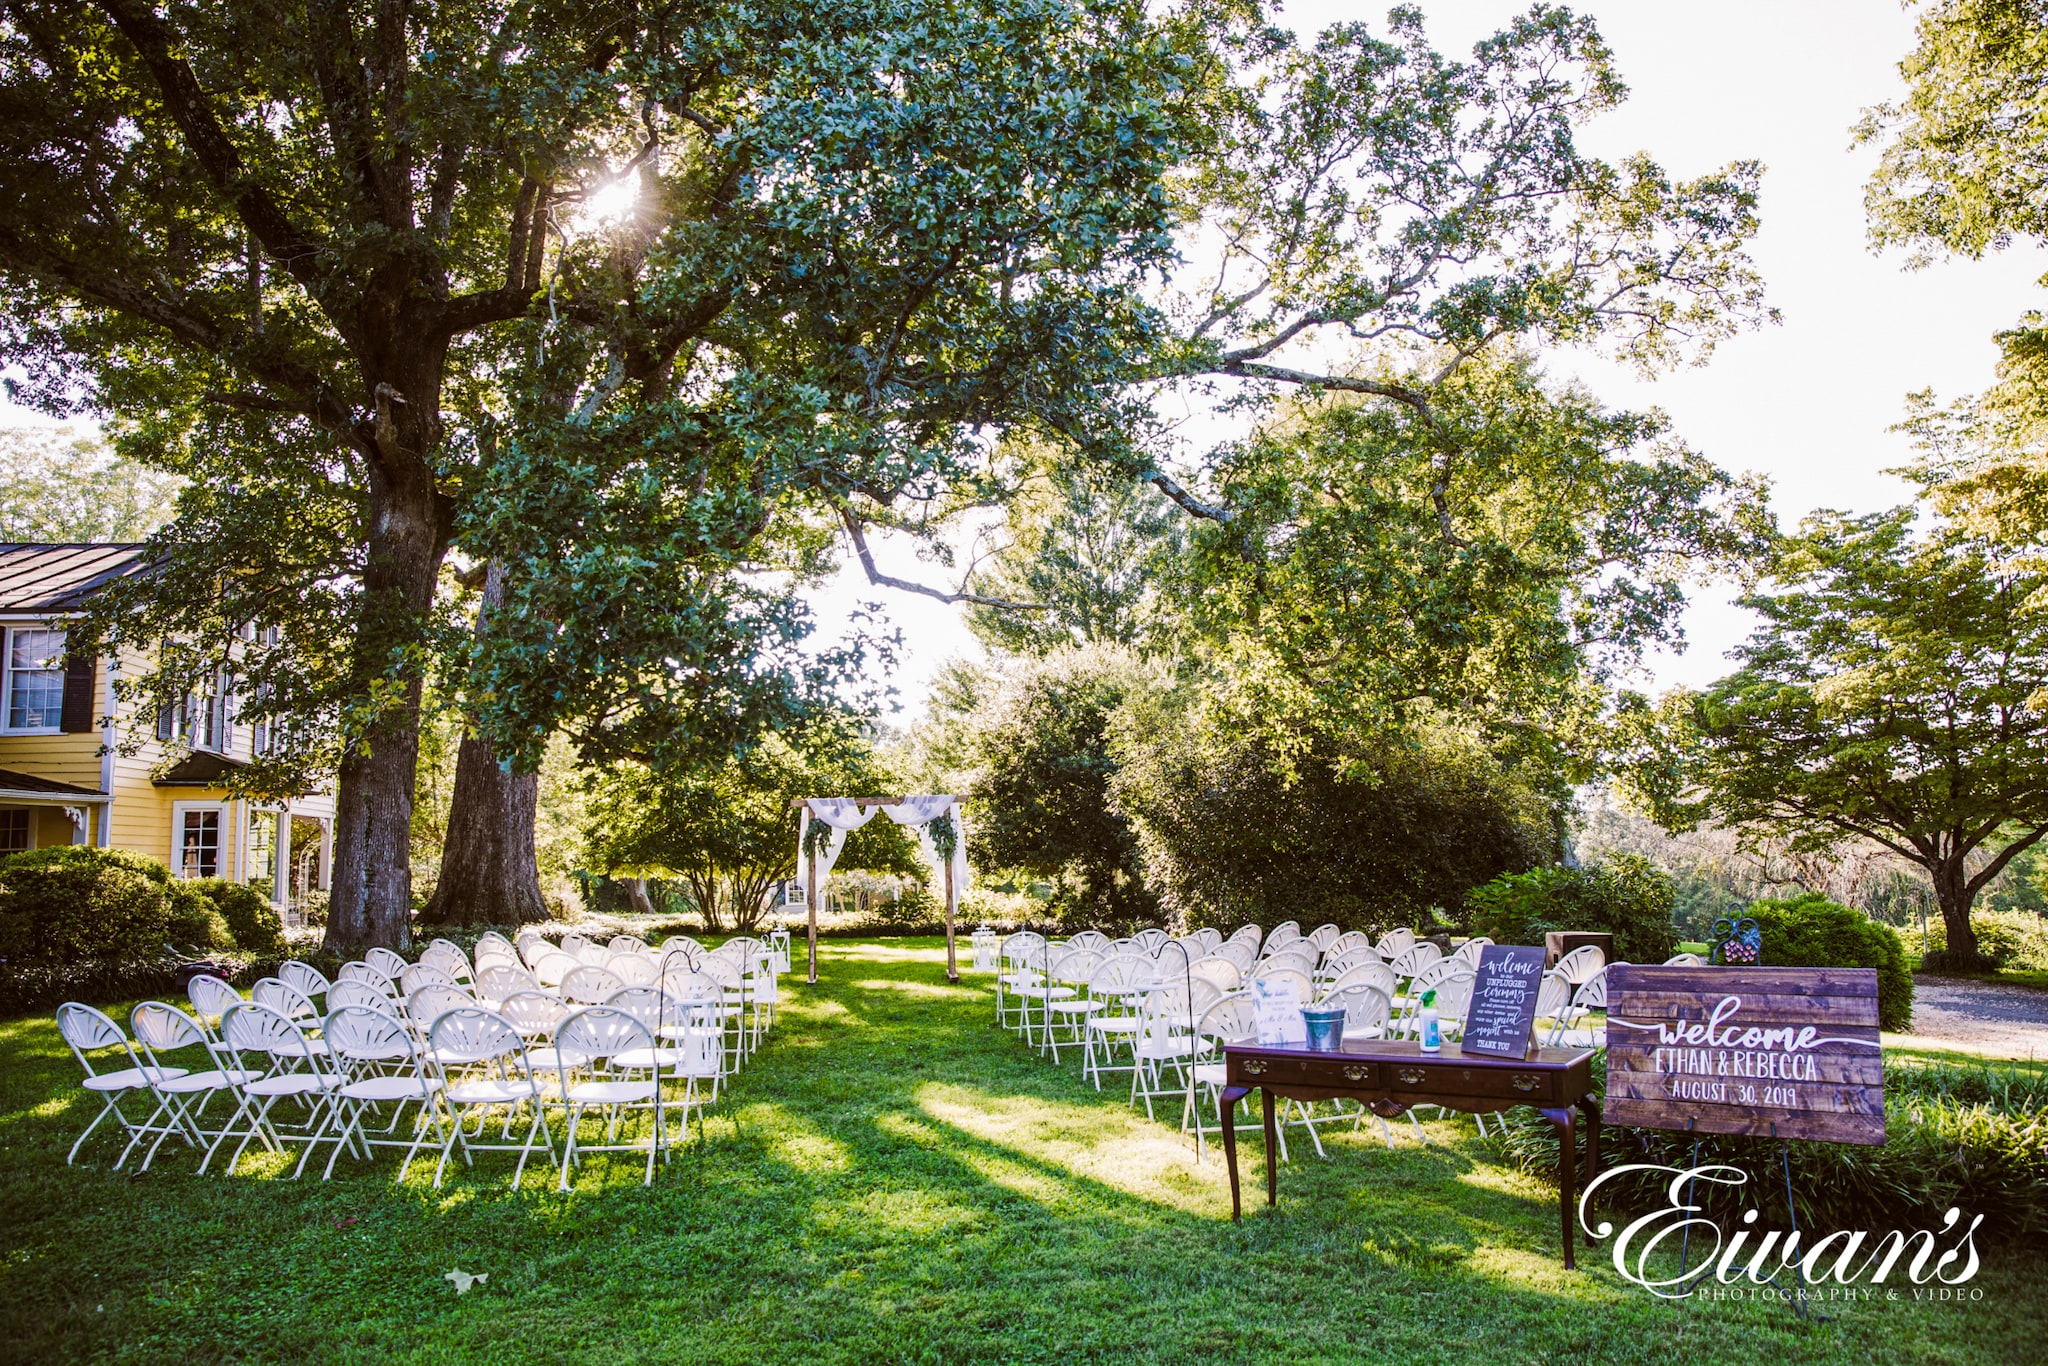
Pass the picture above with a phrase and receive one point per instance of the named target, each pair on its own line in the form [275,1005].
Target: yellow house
[65,780]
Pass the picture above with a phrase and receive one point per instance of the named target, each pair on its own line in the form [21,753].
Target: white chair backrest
[597,1034]
[1303,985]
[634,969]
[1347,941]
[1285,930]
[1229,1020]
[1453,1000]
[686,985]
[1441,970]
[366,972]
[470,1034]
[1150,940]
[1339,961]
[1075,965]
[283,998]
[1592,993]
[1469,951]
[434,1000]
[1219,970]
[423,975]
[531,951]
[626,943]
[1369,973]
[647,1005]
[1094,940]
[1394,942]
[1685,960]
[1247,934]
[211,996]
[254,1028]
[589,986]
[572,942]
[1366,1007]
[1552,997]
[533,1012]
[446,957]
[1414,959]
[163,1028]
[1209,938]
[1322,936]
[493,937]
[1239,951]
[722,971]
[553,967]
[1581,963]
[309,980]
[356,994]
[500,980]
[386,962]
[87,1030]
[1283,961]
[589,954]
[360,1034]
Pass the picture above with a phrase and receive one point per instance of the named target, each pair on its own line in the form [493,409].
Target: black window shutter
[80,673]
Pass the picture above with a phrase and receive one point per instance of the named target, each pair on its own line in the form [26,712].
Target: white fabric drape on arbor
[844,815]
[920,812]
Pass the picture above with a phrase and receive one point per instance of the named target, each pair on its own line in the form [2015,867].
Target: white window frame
[224,848]
[7,680]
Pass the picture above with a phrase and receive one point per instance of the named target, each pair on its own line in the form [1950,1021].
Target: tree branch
[1188,503]
[858,536]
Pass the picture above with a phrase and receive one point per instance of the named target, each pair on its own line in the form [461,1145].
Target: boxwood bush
[195,924]
[251,919]
[1810,931]
[1628,897]
[73,903]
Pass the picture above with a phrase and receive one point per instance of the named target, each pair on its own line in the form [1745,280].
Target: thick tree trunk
[1952,894]
[406,528]
[489,873]
[636,892]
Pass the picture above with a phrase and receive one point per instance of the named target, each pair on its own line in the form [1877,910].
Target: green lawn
[890,1180]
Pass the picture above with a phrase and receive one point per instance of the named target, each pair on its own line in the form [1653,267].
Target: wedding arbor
[823,823]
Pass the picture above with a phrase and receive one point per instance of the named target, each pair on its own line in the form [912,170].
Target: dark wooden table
[1392,1077]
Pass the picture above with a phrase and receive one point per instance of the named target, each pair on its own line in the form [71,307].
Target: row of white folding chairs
[368,1057]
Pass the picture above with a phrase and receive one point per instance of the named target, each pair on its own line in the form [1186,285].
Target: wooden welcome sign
[1771,1052]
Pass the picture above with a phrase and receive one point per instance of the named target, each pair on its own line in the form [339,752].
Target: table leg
[1231,1095]
[1272,1150]
[1567,1172]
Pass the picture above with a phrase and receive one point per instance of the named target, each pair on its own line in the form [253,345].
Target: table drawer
[1532,1087]
[1323,1070]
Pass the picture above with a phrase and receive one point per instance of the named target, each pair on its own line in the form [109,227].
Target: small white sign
[1277,1008]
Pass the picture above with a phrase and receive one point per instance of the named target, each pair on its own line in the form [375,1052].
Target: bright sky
[1807,403]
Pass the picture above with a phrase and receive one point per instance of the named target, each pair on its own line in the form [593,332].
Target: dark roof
[59,578]
[198,769]
[14,781]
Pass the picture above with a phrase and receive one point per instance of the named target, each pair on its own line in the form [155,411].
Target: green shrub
[195,923]
[1810,931]
[75,903]
[2008,939]
[250,917]
[1627,897]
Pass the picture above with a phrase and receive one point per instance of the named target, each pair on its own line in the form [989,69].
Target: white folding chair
[1469,951]
[1068,1005]
[1228,1021]
[357,994]
[1369,972]
[553,967]
[164,1031]
[493,1070]
[1220,970]
[253,1033]
[1578,966]
[584,1041]
[634,969]
[419,975]
[1165,1034]
[431,1002]
[1685,960]
[499,981]
[383,1066]
[370,974]
[626,943]
[1394,943]
[88,1031]
[1120,984]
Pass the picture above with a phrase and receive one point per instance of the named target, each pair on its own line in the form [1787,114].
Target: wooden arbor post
[802,805]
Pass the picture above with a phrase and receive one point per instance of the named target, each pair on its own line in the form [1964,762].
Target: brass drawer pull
[1412,1076]
[1525,1081]
[1355,1073]
[1254,1066]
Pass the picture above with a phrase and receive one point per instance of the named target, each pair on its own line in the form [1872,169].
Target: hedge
[1810,931]
[1628,898]
[74,902]
[2007,939]
[254,922]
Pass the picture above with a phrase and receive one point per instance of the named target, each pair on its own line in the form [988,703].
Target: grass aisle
[890,1180]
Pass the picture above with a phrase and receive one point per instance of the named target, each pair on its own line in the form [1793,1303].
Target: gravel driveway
[2004,1019]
